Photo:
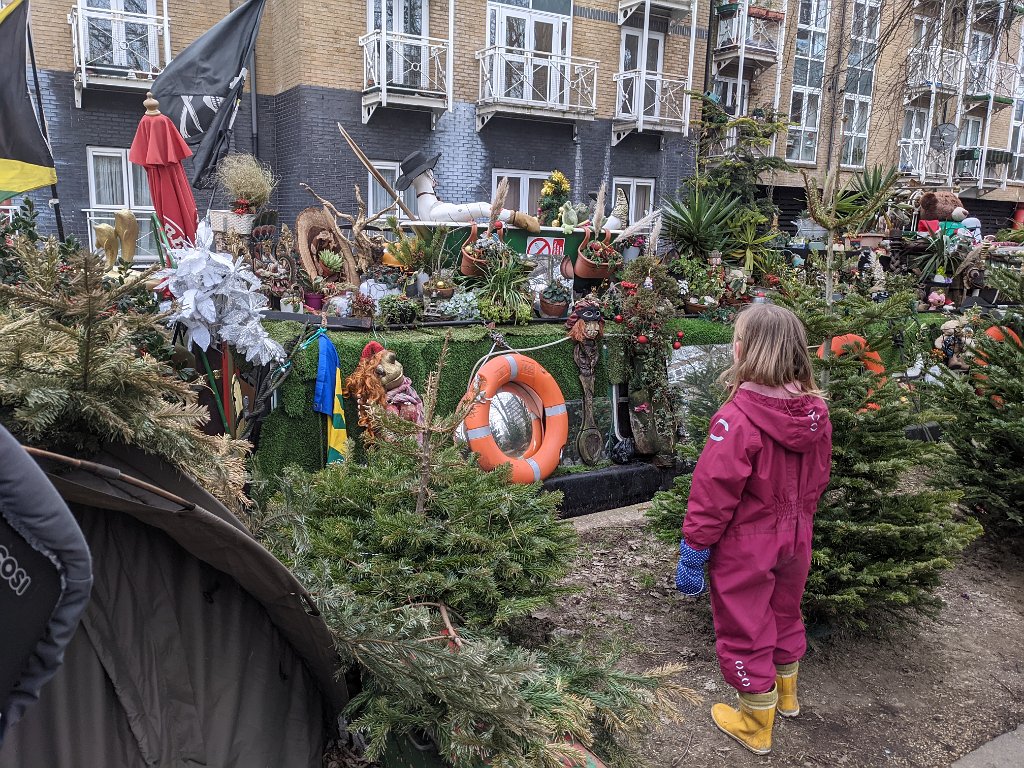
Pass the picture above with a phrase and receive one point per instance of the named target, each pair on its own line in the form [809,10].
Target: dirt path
[922,697]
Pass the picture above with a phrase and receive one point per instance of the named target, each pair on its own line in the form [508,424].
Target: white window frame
[523,177]
[557,74]
[97,213]
[916,146]
[119,36]
[816,26]
[866,44]
[128,180]
[632,182]
[371,25]
[374,206]
[1016,171]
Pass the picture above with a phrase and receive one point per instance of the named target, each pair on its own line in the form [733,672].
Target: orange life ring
[851,343]
[527,374]
[536,411]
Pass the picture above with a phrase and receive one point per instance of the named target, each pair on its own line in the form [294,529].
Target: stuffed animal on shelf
[379,380]
[940,211]
[937,300]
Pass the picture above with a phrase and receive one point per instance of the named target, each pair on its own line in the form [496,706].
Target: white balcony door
[531,68]
[115,184]
[731,99]
[116,41]
[979,53]
[649,73]
[407,64]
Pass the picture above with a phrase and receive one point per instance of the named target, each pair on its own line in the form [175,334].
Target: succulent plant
[331,261]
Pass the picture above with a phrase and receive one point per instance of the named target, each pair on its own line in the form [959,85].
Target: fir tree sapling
[77,370]
[425,562]
[987,434]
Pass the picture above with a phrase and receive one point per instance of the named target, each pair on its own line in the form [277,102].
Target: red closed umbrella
[159,148]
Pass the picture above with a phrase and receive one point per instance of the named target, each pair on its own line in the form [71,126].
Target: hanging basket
[589,269]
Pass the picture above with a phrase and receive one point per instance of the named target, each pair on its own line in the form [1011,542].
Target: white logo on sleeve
[725,428]
[815,417]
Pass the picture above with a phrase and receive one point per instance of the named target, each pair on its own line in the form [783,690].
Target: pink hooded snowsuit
[755,490]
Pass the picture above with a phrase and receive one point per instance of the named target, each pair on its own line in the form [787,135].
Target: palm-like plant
[699,224]
[751,245]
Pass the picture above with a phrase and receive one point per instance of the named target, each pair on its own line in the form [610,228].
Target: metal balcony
[677,9]
[118,49]
[982,167]
[408,71]
[759,41]
[649,101]
[994,81]
[938,70]
[514,81]
[918,160]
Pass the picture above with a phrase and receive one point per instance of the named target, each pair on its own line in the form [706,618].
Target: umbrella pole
[227,373]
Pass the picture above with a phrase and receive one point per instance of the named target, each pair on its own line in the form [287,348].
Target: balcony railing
[405,70]
[916,160]
[661,100]
[7,213]
[118,48]
[761,38]
[940,69]
[992,78]
[968,164]
[146,252]
[533,82]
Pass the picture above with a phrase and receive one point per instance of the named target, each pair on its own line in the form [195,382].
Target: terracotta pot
[440,293]
[470,265]
[314,301]
[588,269]
[553,309]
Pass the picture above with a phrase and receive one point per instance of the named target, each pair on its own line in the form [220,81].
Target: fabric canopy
[159,148]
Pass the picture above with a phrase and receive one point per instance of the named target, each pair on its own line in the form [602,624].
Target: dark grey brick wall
[298,136]
[109,119]
[311,149]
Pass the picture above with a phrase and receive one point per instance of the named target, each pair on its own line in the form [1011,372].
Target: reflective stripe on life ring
[851,343]
[521,376]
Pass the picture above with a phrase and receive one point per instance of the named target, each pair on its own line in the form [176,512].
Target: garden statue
[937,300]
[568,218]
[586,327]
[418,172]
[952,345]
[619,217]
[380,380]
[123,235]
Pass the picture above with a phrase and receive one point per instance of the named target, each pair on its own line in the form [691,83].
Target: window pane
[140,188]
[643,197]
[108,180]
[512,198]
[533,196]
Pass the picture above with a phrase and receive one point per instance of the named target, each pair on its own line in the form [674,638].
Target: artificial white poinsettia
[219,299]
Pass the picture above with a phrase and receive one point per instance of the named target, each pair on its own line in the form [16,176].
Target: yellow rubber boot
[751,725]
[785,684]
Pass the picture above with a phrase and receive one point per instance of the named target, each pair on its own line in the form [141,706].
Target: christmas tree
[431,566]
[79,367]
[987,435]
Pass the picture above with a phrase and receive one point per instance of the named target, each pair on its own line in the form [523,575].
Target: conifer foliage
[78,367]
[423,565]
[987,435]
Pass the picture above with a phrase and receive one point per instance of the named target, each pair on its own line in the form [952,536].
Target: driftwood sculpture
[356,250]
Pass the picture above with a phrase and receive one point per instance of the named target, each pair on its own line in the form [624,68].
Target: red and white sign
[545,246]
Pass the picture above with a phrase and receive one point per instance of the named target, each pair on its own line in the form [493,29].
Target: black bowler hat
[413,166]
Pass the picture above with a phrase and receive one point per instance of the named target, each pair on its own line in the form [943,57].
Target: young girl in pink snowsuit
[751,509]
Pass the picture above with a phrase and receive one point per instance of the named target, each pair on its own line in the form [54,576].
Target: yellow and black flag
[25,159]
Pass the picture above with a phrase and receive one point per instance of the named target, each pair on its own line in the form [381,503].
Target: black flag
[199,90]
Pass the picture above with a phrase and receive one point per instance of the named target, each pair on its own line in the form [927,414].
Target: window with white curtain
[808,77]
[377,199]
[639,193]
[116,184]
[523,188]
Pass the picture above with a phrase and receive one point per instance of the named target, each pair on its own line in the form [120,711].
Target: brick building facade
[599,89]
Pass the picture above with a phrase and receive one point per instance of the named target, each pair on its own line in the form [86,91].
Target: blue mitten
[690,571]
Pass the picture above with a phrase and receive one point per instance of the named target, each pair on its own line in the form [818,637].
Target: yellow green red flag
[25,159]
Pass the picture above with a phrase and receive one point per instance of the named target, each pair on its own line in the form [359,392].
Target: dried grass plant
[244,177]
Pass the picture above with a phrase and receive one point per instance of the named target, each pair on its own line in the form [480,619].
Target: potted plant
[632,247]
[699,224]
[554,300]
[399,309]
[597,259]
[363,306]
[700,286]
[505,295]
[249,184]
[313,292]
[440,286]
[553,195]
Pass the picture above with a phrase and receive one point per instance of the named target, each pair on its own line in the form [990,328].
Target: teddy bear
[940,211]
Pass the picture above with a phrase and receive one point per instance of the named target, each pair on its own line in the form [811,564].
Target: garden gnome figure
[418,172]
[380,380]
[586,327]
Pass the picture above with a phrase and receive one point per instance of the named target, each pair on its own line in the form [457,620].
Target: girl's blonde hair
[773,351]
